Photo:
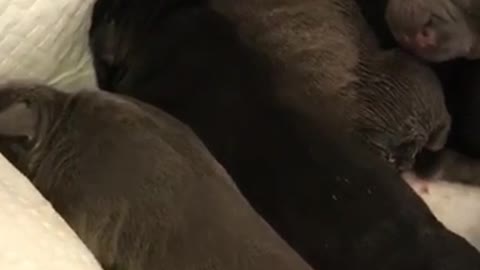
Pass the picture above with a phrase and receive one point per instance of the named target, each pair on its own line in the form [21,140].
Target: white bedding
[457,206]
[45,41]
[32,234]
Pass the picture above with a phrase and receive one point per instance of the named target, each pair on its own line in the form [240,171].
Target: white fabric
[457,206]
[47,41]
[32,234]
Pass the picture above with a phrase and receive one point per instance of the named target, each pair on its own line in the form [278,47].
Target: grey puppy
[323,51]
[136,185]
[437,30]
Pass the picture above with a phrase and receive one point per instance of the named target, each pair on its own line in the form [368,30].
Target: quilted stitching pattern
[47,41]
[33,236]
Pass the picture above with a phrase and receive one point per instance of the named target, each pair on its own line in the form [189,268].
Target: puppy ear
[18,120]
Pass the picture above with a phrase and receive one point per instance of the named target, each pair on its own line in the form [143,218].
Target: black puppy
[444,179]
[453,30]
[326,53]
[269,112]
[136,185]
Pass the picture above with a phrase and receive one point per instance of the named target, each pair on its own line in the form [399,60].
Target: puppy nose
[425,38]
[420,41]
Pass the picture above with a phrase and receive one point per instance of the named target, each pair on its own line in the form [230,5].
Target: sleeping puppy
[437,30]
[300,52]
[448,180]
[264,84]
[387,98]
[460,160]
[136,185]
[261,82]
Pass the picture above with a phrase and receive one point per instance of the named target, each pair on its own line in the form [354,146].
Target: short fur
[315,52]
[460,80]
[136,185]
[449,178]
[261,100]
[257,81]
[437,30]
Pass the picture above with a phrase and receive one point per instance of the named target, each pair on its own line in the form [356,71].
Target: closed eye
[434,20]
[440,19]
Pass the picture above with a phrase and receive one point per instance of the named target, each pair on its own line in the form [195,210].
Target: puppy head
[401,109]
[27,114]
[436,30]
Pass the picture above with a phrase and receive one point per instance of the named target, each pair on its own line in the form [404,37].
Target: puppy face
[401,109]
[27,114]
[397,149]
[436,30]
[399,146]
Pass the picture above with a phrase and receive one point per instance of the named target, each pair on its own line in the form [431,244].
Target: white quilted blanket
[46,41]
[32,234]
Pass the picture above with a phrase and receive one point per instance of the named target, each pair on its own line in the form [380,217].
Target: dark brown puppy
[437,30]
[318,51]
[136,185]
[390,100]
[257,84]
